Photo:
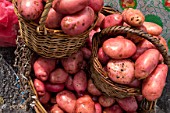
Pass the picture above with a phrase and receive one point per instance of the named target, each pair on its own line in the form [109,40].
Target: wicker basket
[99,75]
[50,43]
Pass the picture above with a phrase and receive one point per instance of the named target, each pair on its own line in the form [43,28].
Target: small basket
[50,43]
[99,75]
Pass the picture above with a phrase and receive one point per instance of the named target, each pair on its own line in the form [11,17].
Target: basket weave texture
[99,75]
[50,43]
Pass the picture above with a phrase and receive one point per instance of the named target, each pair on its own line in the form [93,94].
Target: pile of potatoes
[131,60]
[72,16]
[64,85]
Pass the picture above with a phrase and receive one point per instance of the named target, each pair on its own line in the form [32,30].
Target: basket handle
[41,28]
[112,31]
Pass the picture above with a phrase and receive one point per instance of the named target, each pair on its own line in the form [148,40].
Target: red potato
[73,63]
[129,104]
[53,19]
[133,17]
[106,101]
[58,76]
[139,51]
[98,108]
[67,101]
[45,98]
[69,83]
[135,83]
[134,38]
[80,82]
[39,87]
[113,109]
[43,67]
[86,53]
[112,20]
[96,5]
[68,7]
[153,85]
[56,109]
[100,19]
[146,63]
[30,9]
[145,44]
[85,104]
[119,48]
[139,98]
[54,87]
[103,58]
[121,71]
[84,65]
[89,39]
[153,28]
[91,88]
[77,23]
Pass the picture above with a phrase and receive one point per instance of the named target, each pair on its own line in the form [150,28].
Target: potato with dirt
[30,9]
[106,101]
[43,67]
[119,48]
[112,20]
[133,17]
[85,104]
[73,63]
[153,28]
[129,104]
[146,63]
[53,19]
[96,5]
[39,87]
[153,85]
[67,101]
[78,23]
[121,71]
[57,76]
[91,88]
[68,7]
[80,82]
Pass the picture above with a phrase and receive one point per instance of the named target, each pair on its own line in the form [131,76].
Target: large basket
[99,75]
[50,43]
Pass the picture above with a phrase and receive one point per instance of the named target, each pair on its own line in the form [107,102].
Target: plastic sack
[8,24]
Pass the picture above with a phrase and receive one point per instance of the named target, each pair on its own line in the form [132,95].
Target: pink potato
[112,20]
[39,87]
[98,108]
[119,48]
[45,98]
[80,82]
[106,101]
[69,83]
[54,87]
[73,63]
[56,109]
[53,19]
[146,63]
[85,104]
[133,17]
[43,67]
[129,104]
[91,88]
[68,7]
[139,98]
[86,53]
[153,85]
[78,23]
[103,58]
[153,28]
[100,19]
[67,101]
[30,9]
[58,76]
[96,5]
[113,109]
[135,83]
[89,39]
[121,71]
[139,51]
